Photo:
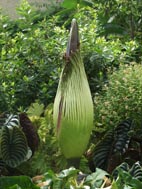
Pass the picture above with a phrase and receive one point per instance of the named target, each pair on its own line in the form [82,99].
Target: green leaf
[35,109]
[125,179]
[96,179]
[114,142]
[13,146]
[122,138]
[102,150]
[69,4]
[124,166]
[135,171]
[17,182]
[68,173]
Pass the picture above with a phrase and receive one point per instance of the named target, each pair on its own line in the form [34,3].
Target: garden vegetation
[32,48]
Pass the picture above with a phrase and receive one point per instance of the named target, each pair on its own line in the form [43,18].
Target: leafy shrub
[32,48]
[120,98]
[99,53]
[30,59]
[73,178]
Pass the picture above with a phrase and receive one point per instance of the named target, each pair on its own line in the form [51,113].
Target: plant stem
[73,162]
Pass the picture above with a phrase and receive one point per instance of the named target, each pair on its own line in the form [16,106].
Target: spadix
[73,106]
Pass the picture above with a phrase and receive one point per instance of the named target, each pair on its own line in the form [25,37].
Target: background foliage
[121,98]
[31,57]
[32,49]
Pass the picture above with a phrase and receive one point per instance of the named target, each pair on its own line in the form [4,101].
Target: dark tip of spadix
[73,42]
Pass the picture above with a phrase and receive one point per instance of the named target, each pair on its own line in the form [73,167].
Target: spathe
[73,106]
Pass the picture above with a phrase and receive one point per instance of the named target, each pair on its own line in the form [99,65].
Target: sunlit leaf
[35,109]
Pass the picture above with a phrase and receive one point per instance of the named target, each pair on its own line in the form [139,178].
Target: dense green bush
[121,98]
[30,59]
[99,53]
[121,18]
[32,49]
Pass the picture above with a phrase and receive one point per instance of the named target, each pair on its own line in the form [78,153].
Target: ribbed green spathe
[73,108]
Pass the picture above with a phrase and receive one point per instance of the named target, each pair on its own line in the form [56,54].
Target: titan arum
[73,106]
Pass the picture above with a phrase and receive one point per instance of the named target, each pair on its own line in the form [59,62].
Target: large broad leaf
[121,136]
[68,172]
[112,146]
[23,182]
[126,180]
[124,166]
[135,171]
[102,151]
[96,179]
[13,146]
